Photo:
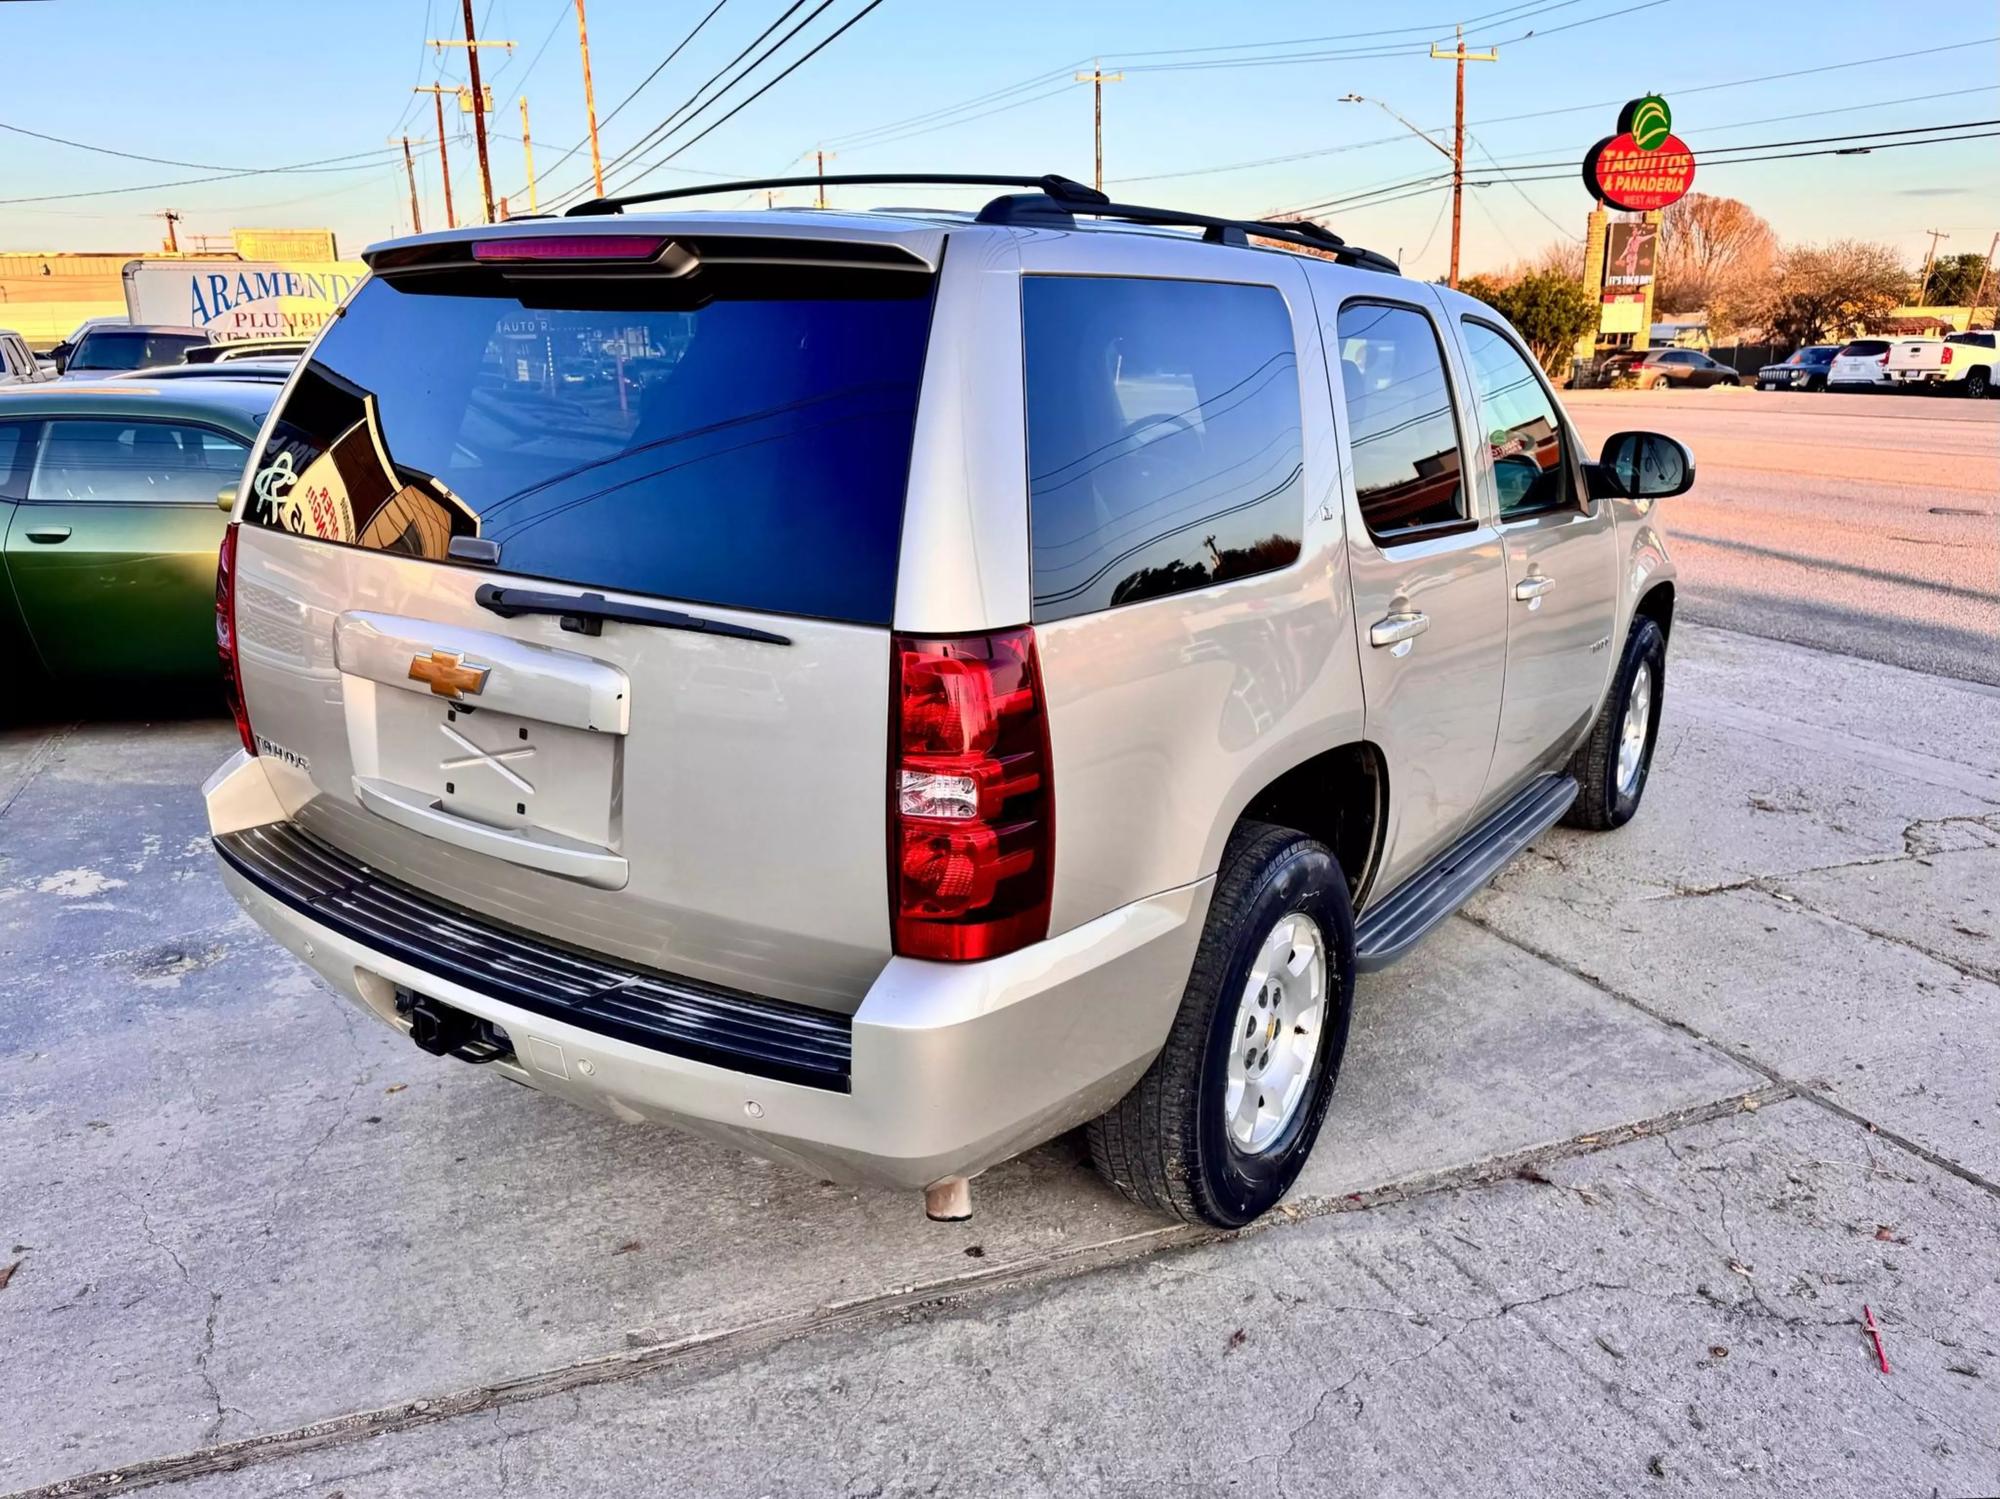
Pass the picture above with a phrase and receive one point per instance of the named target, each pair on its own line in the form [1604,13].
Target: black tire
[1978,382]
[1601,803]
[1165,1145]
[1815,382]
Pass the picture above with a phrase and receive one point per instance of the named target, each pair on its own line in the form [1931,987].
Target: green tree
[1549,310]
[1954,279]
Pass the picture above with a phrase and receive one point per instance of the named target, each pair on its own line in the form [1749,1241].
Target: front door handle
[1533,586]
[48,535]
[1394,629]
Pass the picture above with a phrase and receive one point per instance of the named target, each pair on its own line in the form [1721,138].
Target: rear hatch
[564,587]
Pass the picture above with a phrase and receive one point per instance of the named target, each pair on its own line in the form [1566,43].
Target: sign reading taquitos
[1625,175]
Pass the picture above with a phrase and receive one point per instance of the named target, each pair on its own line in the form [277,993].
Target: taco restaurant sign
[240,299]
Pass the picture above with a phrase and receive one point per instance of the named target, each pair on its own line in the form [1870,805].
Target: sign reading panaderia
[1643,167]
[240,299]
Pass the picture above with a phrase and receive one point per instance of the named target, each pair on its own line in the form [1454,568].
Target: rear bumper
[952,1066]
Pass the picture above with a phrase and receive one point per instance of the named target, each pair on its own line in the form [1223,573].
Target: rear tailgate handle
[47,535]
[569,857]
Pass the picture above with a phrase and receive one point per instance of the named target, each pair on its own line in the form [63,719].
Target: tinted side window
[129,462]
[1408,474]
[13,436]
[1524,432]
[1164,438]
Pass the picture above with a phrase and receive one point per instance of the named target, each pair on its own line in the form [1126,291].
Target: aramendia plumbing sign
[240,299]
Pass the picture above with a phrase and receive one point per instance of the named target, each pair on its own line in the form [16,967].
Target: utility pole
[410,168]
[589,99]
[528,150]
[1461,57]
[1930,258]
[1097,78]
[820,154]
[437,93]
[173,239]
[472,45]
[1979,297]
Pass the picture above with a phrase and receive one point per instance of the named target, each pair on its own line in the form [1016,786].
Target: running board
[1400,921]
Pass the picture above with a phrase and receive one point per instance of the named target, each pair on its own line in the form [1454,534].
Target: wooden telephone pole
[589,99]
[437,93]
[1979,296]
[528,150]
[410,170]
[472,45]
[173,239]
[1097,78]
[1930,259]
[820,154]
[1461,57]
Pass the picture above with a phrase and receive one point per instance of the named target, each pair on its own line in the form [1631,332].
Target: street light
[1419,134]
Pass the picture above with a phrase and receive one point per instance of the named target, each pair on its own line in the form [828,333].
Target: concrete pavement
[1739,1040]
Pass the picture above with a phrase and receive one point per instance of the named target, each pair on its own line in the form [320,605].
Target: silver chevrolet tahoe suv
[881,690]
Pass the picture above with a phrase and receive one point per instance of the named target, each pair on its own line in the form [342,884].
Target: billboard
[1628,259]
[240,299]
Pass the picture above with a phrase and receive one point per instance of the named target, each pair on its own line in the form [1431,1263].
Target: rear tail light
[225,635]
[1946,352]
[1883,357]
[971,806]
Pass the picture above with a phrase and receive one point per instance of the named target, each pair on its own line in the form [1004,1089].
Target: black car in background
[1805,370]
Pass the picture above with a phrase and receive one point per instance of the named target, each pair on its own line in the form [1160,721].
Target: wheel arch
[1339,796]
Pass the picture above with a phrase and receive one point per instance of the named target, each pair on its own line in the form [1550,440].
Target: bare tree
[1715,255]
[1821,292]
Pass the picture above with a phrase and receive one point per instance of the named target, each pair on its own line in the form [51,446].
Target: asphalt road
[1864,524]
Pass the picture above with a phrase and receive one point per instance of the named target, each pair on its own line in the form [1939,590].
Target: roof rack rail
[1054,202]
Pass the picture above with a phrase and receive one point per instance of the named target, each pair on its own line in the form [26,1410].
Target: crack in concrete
[1742,1058]
[1957,965]
[640,1357]
[38,761]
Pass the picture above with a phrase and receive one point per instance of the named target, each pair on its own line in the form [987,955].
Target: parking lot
[1640,1132]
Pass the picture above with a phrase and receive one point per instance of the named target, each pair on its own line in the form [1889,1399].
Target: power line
[1287,59]
[1377,202]
[688,107]
[832,37]
[1426,32]
[1539,114]
[168,161]
[1715,156]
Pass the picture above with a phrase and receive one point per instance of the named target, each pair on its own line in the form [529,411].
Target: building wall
[43,297]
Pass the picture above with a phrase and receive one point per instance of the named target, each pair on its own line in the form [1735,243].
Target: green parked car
[108,509]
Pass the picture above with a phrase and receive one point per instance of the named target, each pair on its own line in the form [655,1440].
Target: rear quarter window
[742,439]
[1164,438]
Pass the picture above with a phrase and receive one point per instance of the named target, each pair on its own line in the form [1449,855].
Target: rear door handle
[1533,587]
[1394,629]
[48,535]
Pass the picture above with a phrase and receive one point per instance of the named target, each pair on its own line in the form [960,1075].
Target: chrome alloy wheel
[1632,733]
[1276,1040]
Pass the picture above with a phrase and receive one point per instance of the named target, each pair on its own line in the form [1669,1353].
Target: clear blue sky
[253,83]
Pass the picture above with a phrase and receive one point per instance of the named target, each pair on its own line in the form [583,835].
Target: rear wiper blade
[585,613]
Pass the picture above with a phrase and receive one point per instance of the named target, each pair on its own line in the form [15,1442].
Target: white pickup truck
[1963,361]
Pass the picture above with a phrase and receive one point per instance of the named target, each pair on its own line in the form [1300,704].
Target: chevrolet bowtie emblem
[446,674]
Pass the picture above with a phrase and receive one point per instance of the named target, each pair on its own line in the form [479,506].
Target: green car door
[111,546]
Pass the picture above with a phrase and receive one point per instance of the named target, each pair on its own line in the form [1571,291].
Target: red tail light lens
[971,808]
[1883,357]
[225,635]
[1946,353]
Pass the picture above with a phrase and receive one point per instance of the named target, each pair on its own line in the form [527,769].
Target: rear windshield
[738,442]
[1867,346]
[131,349]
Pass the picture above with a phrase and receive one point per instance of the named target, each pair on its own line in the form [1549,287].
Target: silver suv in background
[884,689]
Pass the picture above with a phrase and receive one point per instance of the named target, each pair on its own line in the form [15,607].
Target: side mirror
[1648,465]
[225,498]
[59,357]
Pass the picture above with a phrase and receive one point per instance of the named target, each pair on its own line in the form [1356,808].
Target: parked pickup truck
[1963,361]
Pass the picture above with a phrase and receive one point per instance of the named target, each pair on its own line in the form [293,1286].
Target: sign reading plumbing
[240,299]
